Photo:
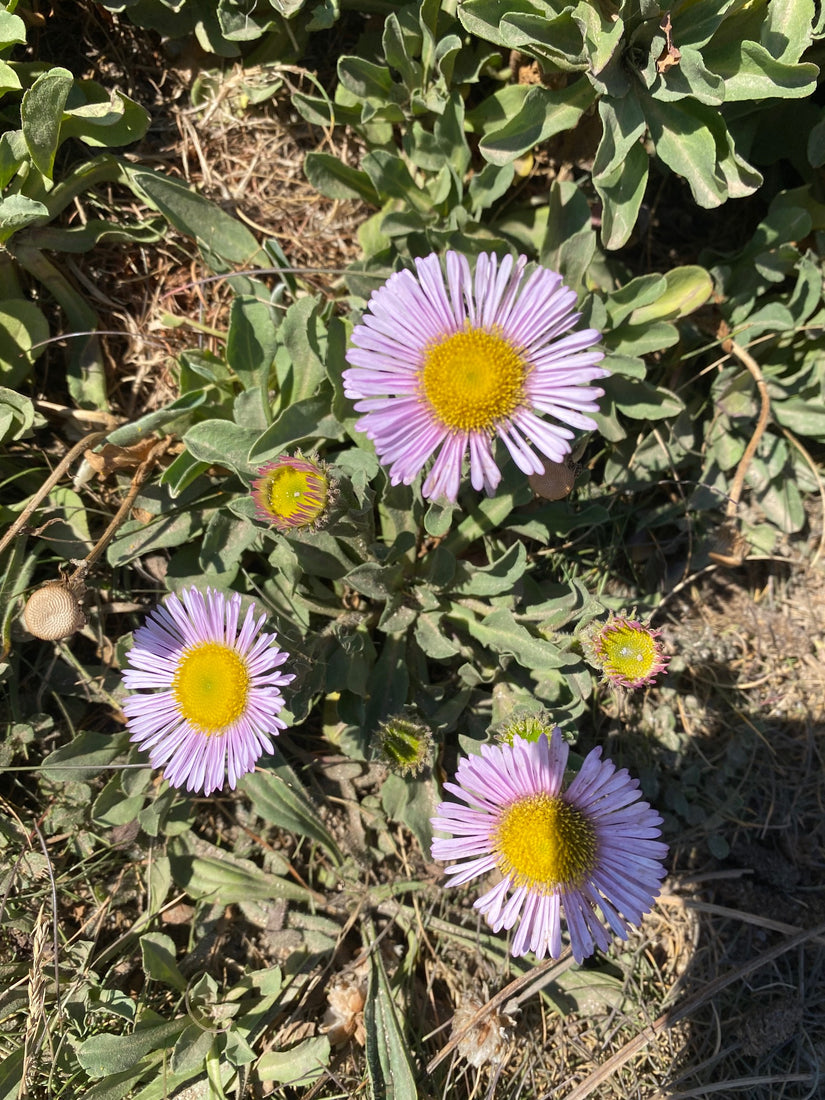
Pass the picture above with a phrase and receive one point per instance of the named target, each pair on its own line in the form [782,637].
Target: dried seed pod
[53,611]
[489,1036]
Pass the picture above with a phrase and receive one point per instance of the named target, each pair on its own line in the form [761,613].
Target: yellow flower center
[473,380]
[211,687]
[629,651]
[297,496]
[544,842]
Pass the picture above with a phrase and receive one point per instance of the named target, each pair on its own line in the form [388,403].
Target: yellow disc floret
[629,652]
[295,495]
[473,380]
[211,686]
[543,842]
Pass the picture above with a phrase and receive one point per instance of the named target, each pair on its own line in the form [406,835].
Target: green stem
[104,169]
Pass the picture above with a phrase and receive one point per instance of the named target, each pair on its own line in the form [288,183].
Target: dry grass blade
[524,984]
[672,1016]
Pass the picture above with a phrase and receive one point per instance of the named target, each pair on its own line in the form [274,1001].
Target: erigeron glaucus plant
[587,851]
[443,367]
[205,689]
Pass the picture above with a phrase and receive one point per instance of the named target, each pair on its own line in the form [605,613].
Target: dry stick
[90,440]
[678,902]
[546,972]
[752,367]
[667,1019]
[138,478]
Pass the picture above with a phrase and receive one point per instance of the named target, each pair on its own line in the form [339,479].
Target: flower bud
[528,726]
[293,494]
[628,652]
[406,745]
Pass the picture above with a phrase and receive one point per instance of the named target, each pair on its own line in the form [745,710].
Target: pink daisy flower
[206,692]
[442,367]
[589,852]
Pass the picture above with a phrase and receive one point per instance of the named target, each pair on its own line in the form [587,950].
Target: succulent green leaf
[491,580]
[800,416]
[402,44]
[18,211]
[9,80]
[112,807]
[636,340]
[278,796]
[191,1050]
[205,871]
[636,293]
[388,1061]
[621,193]
[391,179]
[684,136]
[309,419]
[787,30]
[641,400]
[159,963]
[686,289]
[337,180]
[16,415]
[224,543]
[41,116]
[696,21]
[222,443]
[388,681]
[556,40]
[23,332]
[750,73]
[500,632]
[12,29]
[368,81]
[102,119]
[430,635]
[13,154]
[298,1065]
[221,236]
[623,123]
[691,78]
[83,758]
[102,1055]
[542,114]
[302,332]
[251,341]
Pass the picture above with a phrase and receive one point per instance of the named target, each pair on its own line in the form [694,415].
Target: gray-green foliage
[42,107]
[44,112]
[688,84]
[226,27]
[682,82]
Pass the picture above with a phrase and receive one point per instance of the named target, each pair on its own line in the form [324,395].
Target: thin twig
[546,972]
[752,367]
[138,478]
[90,440]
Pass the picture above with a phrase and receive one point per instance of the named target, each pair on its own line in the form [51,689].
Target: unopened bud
[406,745]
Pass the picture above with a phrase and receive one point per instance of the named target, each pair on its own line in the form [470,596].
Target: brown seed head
[54,611]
